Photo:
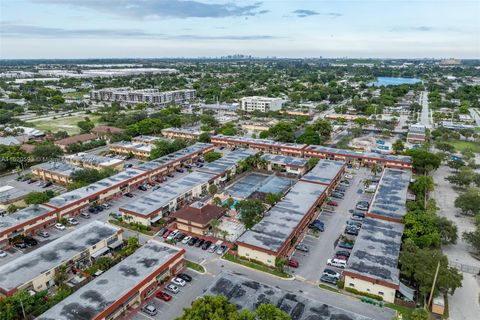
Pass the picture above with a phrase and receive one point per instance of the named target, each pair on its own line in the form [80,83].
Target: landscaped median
[194,266]
[133,226]
[249,264]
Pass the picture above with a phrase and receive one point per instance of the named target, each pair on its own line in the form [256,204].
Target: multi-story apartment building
[263,104]
[153,96]
[416,133]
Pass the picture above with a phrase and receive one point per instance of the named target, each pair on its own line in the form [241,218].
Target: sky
[208,28]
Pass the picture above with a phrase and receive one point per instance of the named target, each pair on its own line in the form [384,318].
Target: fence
[465,267]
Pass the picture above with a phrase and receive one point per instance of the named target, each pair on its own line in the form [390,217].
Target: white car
[172,288]
[72,221]
[179,282]
[348,176]
[172,235]
[186,239]
[3,254]
[59,226]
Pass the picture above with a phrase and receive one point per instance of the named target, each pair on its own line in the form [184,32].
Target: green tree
[444,146]
[473,238]
[456,164]
[36,197]
[272,198]
[421,187]
[423,161]
[463,178]
[419,265]
[270,312]
[204,137]
[251,212]
[85,125]
[47,151]
[469,201]
[398,146]
[213,189]
[419,314]
[212,156]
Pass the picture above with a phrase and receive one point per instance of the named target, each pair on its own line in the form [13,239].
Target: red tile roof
[75,139]
[199,214]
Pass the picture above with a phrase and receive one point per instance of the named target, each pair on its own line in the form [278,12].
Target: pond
[394,81]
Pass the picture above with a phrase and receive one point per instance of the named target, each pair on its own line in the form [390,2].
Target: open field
[68,123]
[461,145]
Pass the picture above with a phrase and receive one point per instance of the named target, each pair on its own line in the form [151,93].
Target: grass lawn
[194,266]
[230,257]
[406,312]
[461,145]
[324,286]
[67,123]
[75,95]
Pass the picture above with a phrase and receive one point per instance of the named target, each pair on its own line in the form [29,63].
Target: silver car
[150,310]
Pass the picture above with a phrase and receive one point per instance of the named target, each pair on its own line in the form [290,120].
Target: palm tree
[214,224]
[376,168]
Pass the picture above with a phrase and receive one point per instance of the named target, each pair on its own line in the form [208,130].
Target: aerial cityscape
[239,160]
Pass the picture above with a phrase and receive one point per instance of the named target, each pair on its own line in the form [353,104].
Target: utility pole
[23,310]
[433,286]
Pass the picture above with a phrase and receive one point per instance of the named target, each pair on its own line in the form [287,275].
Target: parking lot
[173,308]
[312,263]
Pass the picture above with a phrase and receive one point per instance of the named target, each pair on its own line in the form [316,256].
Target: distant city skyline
[206,28]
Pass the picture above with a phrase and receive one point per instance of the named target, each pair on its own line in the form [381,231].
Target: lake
[393,81]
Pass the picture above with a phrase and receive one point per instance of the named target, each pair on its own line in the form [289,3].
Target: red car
[293,263]
[163,296]
[340,257]
[165,235]
[332,203]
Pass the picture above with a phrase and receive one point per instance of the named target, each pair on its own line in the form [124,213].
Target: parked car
[59,226]
[143,188]
[186,239]
[172,288]
[162,231]
[328,279]
[128,165]
[30,241]
[129,195]
[179,282]
[340,257]
[92,210]
[20,245]
[150,310]
[3,254]
[192,241]
[180,236]
[213,248]
[221,250]
[32,181]
[166,234]
[332,203]
[351,230]
[47,184]
[343,253]
[317,225]
[362,205]
[357,213]
[348,176]
[43,234]
[172,235]
[345,182]
[336,195]
[293,263]
[302,247]
[85,215]
[156,187]
[72,221]
[337,263]
[180,170]
[356,224]
[185,277]
[206,245]
[340,189]
[163,296]
[99,208]
[106,205]
[332,273]
[346,245]
[170,175]
[199,243]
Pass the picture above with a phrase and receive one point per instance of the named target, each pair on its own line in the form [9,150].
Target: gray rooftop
[324,172]
[173,157]
[145,147]
[10,193]
[282,219]
[195,130]
[356,154]
[93,159]
[376,250]
[30,265]
[23,215]
[147,139]
[59,168]
[160,198]
[391,194]
[285,160]
[228,161]
[249,294]
[92,299]
[248,140]
[99,186]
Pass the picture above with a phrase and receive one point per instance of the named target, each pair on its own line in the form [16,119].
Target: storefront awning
[115,245]
[157,218]
[406,291]
[100,252]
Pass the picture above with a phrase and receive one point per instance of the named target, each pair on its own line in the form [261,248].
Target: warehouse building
[373,263]
[122,288]
[389,200]
[37,269]
[158,204]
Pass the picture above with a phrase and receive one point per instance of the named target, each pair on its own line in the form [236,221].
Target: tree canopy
[251,212]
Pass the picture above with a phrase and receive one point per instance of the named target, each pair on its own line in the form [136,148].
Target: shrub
[365,294]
